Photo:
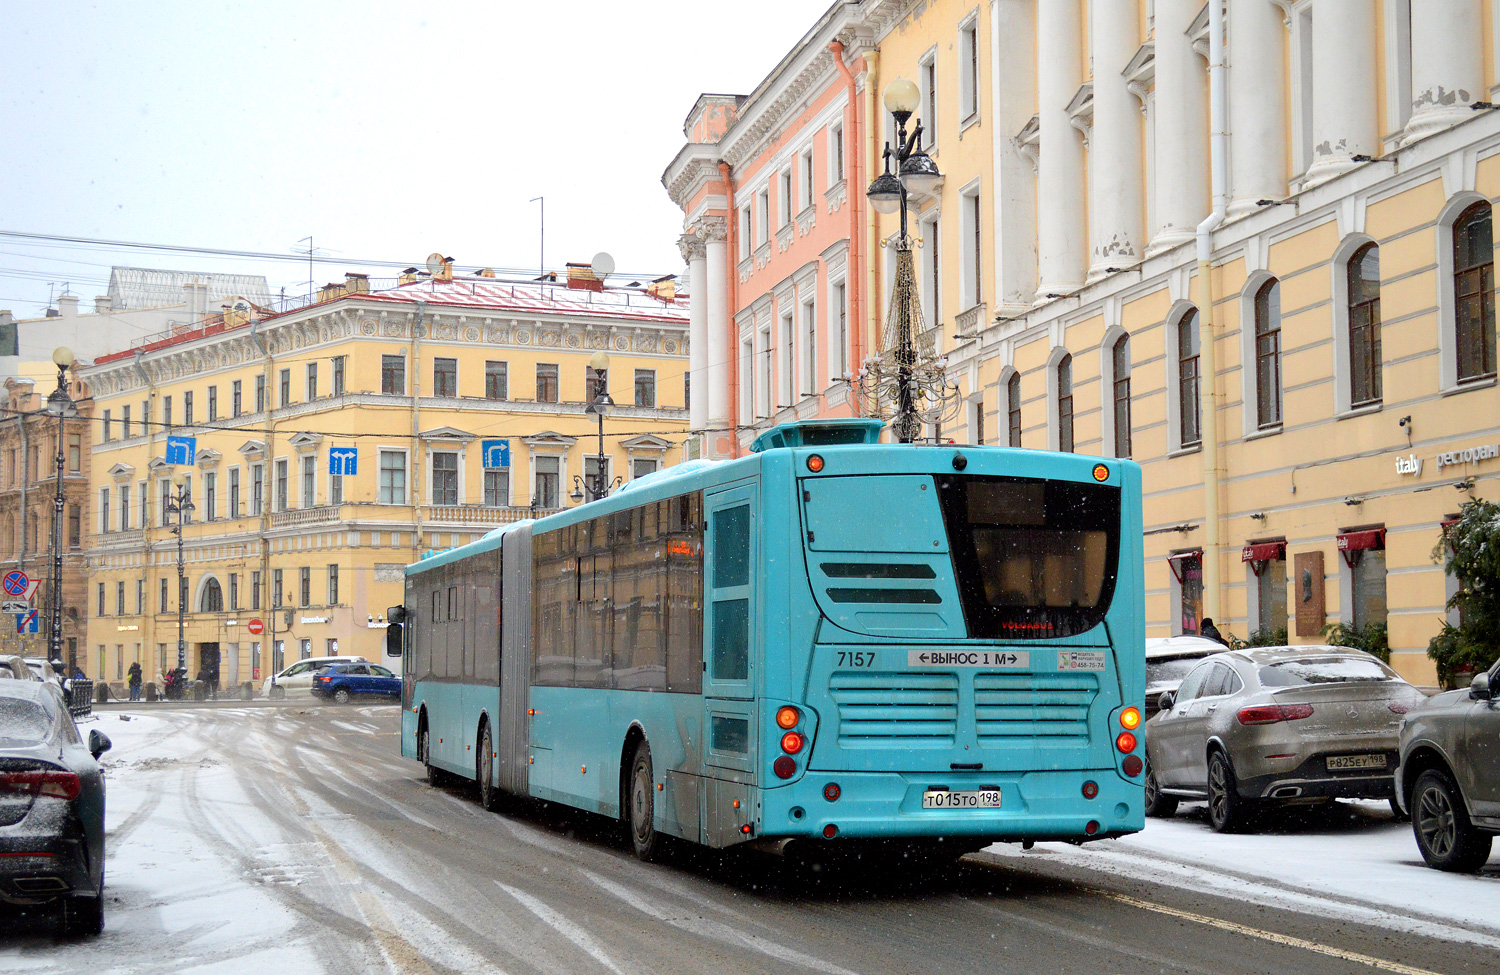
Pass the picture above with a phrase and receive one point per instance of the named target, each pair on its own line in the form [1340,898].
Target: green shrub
[1371,638]
[1471,552]
[1267,637]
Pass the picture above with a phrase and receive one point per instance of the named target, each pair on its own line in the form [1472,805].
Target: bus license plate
[944,799]
[1337,762]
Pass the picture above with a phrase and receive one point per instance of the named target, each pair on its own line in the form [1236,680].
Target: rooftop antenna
[309,241]
[603,265]
[541,274]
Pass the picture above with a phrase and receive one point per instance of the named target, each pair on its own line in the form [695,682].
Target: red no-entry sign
[256,627]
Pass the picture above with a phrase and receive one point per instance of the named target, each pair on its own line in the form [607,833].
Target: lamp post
[599,362]
[903,382]
[180,502]
[60,405]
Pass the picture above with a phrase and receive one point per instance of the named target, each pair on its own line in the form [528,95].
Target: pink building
[778,238]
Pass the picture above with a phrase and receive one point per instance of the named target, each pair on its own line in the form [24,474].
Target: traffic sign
[15,606]
[26,622]
[343,461]
[182,450]
[16,582]
[256,627]
[496,454]
[30,592]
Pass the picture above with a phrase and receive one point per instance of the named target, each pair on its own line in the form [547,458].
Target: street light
[59,404]
[905,383]
[599,362]
[180,502]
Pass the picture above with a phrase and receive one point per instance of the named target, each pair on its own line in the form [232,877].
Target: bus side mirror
[396,614]
[393,640]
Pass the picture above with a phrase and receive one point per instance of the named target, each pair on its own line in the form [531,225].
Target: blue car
[342,682]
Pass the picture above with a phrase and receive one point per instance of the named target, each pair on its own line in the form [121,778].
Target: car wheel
[1158,805]
[435,776]
[644,838]
[1228,811]
[82,916]
[1445,836]
[484,771]
[278,693]
[341,696]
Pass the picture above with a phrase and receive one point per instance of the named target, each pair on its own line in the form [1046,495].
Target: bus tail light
[1273,713]
[831,792]
[784,767]
[1125,742]
[792,743]
[1090,789]
[830,831]
[1132,765]
[1092,827]
[1130,719]
[787,717]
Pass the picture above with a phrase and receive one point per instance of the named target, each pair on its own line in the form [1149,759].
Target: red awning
[1362,540]
[1263,552]
[1177,557]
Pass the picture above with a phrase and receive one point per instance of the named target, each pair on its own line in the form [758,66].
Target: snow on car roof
[1158,648]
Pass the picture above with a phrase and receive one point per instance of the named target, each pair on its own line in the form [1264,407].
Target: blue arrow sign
[496,454]
[182,450]
[343,461]
[26,622]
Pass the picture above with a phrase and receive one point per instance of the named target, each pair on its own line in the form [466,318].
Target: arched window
[1065,403]
[212,598]
[1268,355]
[1187,379]
[1364,326]
[1474,293]
[1120,361]
[1013,407]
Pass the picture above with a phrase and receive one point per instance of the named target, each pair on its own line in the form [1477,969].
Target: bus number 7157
[856,658]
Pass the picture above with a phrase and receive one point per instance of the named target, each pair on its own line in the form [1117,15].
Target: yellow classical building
[324,449]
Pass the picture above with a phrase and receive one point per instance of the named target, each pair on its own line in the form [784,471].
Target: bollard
[247,691]
[151,693]
[200,691]
[101,692]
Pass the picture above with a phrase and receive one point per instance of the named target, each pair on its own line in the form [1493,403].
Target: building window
[547,474]
[595,383]
[641,466]
[788,339]
[927,73]
[255,590]
[645,387]
[101,599]
[281,486]
[809,349]
[75,452]
[276,592]
[1188,572]
[236,397]
[1268,355]
[333,584]
[124,507]
[164,599]
[786,199]
[104,509]
[497,380]
[1013,408]
[392,477]
[445,377]
[762,217]
[75,526]
[338,374]
[1120,363]
[1189,434]
[210,496]
[1363,273]
[164,491]
[212,600]
[124,426]
[546,382]
[745,232]
[594,474]
[260,394]
[234,493]
[968,70]
[335,489]
[393,375]
[1367,586]
[972,220]
[187,409]
[931,270]
[140,597]
[106,434]
[234,591]
[305,648]
[807,179]
[257,488]
[497,488]
[286,387]
[836,153]
[976,422]
[312,381]
[444,477]
[143,488]
[1065,404]
[304,585]
[687,390]
[120,598]
[841,310]
[1474,293]
[1270,607]
[309,481]
[166,412]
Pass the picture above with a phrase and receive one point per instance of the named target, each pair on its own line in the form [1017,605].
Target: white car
[296,680]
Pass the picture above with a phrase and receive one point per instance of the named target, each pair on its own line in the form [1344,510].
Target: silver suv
[1449,774]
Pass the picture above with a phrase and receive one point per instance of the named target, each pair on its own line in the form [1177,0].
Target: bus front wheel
[644,838]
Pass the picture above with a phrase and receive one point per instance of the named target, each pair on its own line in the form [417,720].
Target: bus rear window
[1034,559]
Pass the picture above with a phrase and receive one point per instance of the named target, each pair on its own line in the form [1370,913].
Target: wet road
[312,846]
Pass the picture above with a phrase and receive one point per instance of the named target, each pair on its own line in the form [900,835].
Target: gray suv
[1449,774]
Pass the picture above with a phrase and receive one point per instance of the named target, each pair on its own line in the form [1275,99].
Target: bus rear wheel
[424,755]
[646,841]
[484,771]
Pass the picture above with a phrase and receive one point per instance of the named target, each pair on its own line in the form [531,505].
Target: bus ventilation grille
[1009,706]
[880,710]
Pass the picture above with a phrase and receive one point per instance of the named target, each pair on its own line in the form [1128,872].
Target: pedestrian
[134,679]
[1211,632]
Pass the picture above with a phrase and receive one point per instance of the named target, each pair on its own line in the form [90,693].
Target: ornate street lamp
[599,362]
[179,503]
[905,382]
[59,404]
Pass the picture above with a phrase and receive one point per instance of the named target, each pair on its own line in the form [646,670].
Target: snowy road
[293,839]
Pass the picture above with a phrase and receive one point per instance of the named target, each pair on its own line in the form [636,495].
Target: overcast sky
[384,130]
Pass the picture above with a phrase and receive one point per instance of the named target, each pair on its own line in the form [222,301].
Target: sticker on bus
[1080,660]
[968,658]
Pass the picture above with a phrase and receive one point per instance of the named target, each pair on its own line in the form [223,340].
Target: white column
[1013,95]
[1116,210]
[696,255]
[1060,176]
[719,321]
[1344,120]
[1447,64]
[1257,105]
[1181,119]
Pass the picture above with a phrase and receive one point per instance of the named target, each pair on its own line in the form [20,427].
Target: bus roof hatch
[820,433]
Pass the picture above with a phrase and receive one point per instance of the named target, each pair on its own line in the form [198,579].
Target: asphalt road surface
[315,847]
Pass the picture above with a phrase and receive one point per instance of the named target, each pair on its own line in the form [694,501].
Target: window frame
[1267,348]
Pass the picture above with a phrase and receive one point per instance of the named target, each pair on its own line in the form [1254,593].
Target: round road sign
[256,627]
[16,582]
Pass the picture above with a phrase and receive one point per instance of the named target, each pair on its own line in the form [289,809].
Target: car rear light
[784,767]
[1125,742]
[1400,707]
[831,792]
[59,785]
[1090,790]
[792,743]
[1130,719]
[787,717]
[1132,765]
[1272,713]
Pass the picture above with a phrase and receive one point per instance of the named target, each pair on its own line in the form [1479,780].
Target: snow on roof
[535,298]
[133,288]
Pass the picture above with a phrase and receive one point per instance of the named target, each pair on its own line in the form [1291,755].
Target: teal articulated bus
[830,640]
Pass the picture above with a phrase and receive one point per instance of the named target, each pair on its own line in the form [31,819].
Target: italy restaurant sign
[1412,464]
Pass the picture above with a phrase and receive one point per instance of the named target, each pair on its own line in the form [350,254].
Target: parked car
[344,682]
[51,807]
[15,668]
[297,680]
[1449,775]
[1249,729]
[1169,660]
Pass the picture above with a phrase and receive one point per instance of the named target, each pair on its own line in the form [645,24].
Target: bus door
[730,630]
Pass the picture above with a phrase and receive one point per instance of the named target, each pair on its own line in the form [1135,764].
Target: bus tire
[484,770]
[641,805]
[435,776]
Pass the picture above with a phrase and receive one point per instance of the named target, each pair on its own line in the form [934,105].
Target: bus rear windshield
[1034,559]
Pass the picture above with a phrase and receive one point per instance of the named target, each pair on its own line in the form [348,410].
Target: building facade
[1317,397]
[335,444]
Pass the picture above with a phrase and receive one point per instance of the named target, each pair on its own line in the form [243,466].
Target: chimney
[102,305]
[67,306]
[6,317]
[356,284]
[581,277]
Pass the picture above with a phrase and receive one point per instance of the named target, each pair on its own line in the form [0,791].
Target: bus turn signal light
[792,743]
[787,717]
[1125,742]
[1130,719]
[815,463]
[1101,473]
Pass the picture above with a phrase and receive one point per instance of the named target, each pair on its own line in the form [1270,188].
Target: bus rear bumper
[889,805]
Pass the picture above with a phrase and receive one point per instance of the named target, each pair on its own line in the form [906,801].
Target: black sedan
[51,808]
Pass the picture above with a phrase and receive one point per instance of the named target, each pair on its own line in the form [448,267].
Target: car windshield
[1164,671]
[23,722]
[1323,670]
